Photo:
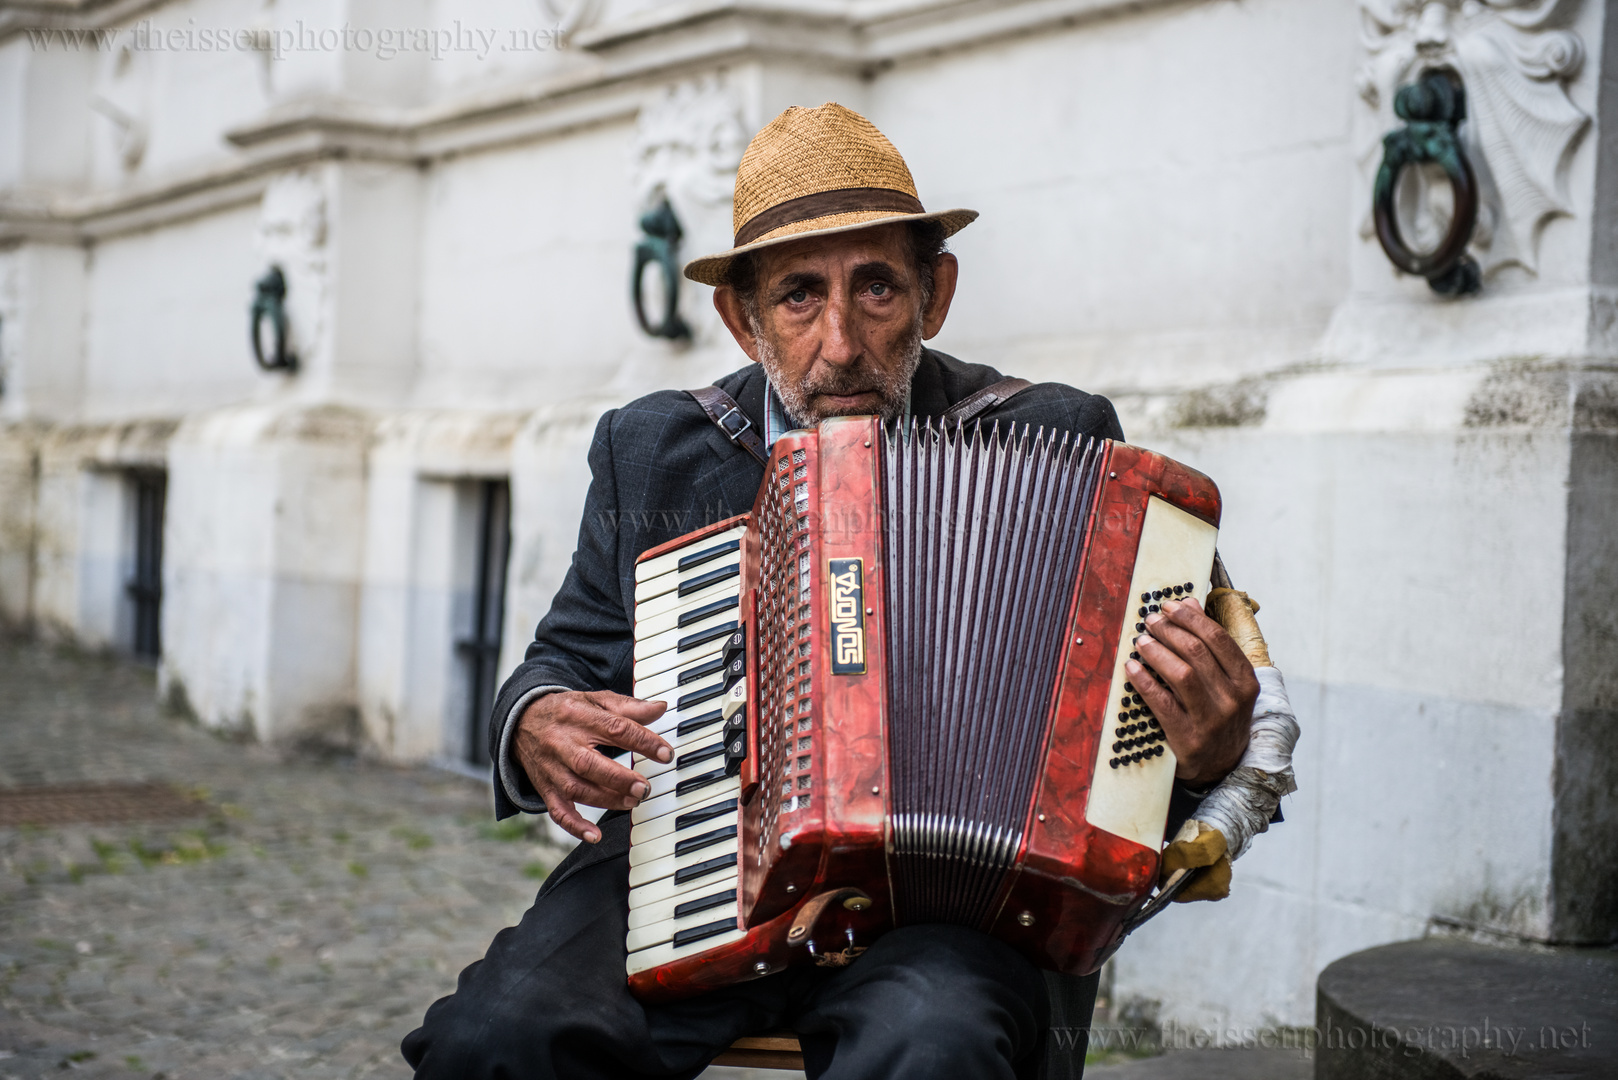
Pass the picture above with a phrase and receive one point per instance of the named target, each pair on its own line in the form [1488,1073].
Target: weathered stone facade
[1423,491]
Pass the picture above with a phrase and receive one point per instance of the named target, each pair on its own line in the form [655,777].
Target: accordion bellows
[937,718]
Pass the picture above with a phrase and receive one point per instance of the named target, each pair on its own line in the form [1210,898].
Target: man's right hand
[556,744]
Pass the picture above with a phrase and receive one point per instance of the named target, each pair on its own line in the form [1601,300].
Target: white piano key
[674,602]
[663,824]
[672,780]
[656,933]
[673,659]
[709,833]
[647,625]
[670,560]
[697,742]
[669,800]
[663,910]
[694,698]
[668,725]
[665,889]
[667,953]
[666,685]
[689,863]
[669,640]
[717,558]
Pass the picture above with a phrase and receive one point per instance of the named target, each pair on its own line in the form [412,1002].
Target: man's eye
[879,289]
[798,296]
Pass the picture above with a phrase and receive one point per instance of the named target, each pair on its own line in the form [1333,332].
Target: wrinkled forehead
[838,254]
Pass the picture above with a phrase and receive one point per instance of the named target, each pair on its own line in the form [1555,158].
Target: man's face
[840,321]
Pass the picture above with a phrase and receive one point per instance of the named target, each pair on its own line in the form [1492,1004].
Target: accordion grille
[983,536]
[785,602]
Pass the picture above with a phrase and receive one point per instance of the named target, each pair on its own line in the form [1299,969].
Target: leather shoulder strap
[995,394]
[729,418]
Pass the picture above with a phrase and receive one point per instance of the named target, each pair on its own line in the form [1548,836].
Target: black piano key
[703,869]
[692,674]
[697,723]
[698,614]
[696,783]
[697,558]
[691,907]
[707,813]
[712,577]
[702,637]
[697,697]
[735,671]
[697,843]
[695,757]
[697,933]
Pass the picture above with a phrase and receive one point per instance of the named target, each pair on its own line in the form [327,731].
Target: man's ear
[946,272]
[729,306]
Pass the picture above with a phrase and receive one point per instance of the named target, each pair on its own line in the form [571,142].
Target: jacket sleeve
[584,642]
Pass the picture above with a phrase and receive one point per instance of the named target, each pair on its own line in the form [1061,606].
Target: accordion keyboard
[683,843]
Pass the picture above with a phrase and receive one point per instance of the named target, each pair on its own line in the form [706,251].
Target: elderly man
[837,278]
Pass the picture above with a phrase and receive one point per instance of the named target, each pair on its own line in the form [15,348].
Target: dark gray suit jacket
[660,469]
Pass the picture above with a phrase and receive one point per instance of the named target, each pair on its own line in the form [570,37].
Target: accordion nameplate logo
[847,616]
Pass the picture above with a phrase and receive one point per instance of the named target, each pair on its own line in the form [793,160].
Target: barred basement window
[480,648]
[146,490]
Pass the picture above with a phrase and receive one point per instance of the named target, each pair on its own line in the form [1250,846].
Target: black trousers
[549,1000]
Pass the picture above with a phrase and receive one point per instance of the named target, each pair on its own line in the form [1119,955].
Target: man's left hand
[1203,692]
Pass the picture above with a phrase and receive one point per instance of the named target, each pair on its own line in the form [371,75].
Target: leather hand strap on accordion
[1234,611]
[1199,850]
[808,915]
[991,396]
[729,418]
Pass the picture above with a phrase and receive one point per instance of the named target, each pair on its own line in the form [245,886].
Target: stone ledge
[1443,1009]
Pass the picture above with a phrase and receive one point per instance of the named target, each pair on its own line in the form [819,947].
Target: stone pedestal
[1457,1010]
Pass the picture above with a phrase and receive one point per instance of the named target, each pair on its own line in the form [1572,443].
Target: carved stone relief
[689,138]
[291,234]
[121,97]
[688,141]
[1522,129]
[571,16]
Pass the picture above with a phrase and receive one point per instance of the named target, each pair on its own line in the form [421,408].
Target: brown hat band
[824,204]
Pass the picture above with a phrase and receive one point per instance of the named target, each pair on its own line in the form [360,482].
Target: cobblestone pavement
[299,928]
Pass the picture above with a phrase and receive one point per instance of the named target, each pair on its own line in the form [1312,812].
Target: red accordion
[897,695]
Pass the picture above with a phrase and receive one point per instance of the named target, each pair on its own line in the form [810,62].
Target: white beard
[894,386]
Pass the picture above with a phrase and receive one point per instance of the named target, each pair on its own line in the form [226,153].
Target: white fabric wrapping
[1242,804]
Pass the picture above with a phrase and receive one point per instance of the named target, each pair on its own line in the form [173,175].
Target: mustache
[844,382]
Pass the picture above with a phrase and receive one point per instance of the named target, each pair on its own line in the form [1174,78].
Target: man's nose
[839,344]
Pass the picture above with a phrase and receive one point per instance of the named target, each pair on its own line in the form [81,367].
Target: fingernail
[1169,606]
[592,837]
[1144,639]
[639,790]
[1133,667]
[664,754]
[1153,619]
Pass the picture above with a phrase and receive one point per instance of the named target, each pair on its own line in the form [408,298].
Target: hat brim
[712,269]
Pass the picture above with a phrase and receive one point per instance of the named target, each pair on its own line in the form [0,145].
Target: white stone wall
[1174,201]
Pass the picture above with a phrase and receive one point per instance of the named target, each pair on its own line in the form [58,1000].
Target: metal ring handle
[270,302]
[1464,184]
[1432,107]
[659,246]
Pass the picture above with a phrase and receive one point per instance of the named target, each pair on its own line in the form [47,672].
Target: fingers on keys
[560,754]
[619,720]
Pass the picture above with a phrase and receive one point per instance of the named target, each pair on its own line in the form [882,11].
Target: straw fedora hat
[812,172]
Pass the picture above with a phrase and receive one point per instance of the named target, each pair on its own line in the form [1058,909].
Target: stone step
[1234,1064]
[1446,1009]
